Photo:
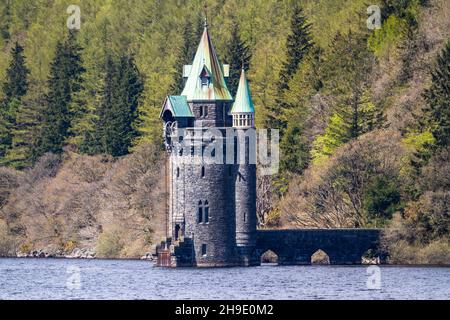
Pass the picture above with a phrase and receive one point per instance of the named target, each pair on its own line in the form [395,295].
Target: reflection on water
[114,279]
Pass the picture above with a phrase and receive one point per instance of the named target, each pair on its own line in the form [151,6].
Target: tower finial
[205,7]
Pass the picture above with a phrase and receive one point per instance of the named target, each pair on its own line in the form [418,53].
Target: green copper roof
[206,64]
[243,102]
[178,106]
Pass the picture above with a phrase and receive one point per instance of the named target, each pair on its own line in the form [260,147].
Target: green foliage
[419,142]
[383,41]
[109,244]
[5,22]
[299,42]
[117,113]
[347,77]
[64,80]
[25,131]
[238,56]
[382,199]
[437,111]
[16,84]
[347,123]
[186,55]
[7,122]
[14,88]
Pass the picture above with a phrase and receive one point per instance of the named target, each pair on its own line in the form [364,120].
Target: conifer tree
[437,97]
[17,75]
[117,113]
[238,56]
[14,89]
[26,129]
[185,56]
[299,42]
[104,115]
[64,81]
[303,86]
[350,64]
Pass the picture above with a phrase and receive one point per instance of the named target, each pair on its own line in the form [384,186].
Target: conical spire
[243,102]
[214,86]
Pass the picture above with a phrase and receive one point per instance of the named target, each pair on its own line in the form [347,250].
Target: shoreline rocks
[77,253]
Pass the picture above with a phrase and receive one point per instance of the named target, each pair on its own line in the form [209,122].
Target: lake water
[118,279]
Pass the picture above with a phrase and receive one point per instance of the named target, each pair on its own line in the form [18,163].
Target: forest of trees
[363,115]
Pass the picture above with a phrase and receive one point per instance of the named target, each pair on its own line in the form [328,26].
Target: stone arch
[320,257]
[269,257]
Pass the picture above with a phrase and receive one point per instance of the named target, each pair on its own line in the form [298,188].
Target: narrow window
[206,209]
[203,249]
[245,216]
[205,111]
[177,232]
[203,172]
[178,172]
[200,212]
[201,111]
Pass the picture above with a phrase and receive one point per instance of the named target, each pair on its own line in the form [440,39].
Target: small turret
[243,110]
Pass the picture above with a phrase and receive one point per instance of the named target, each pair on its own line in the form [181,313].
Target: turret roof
[206,59]
[243,102]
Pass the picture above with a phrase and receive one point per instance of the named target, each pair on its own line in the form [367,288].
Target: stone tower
[212,204]
[244,172]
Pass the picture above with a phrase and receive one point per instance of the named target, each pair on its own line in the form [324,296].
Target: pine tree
[103,112]
[26,128]
[14,89]
[185,56]
[64,81]
[299,42]
[437,97]
[16,84]
[303,86]
[238,56]
[117,113]
[347,78]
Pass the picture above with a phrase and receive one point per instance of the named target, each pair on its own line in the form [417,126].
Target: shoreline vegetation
[364,119]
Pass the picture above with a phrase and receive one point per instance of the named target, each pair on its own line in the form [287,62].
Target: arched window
[203,172]
[206,212]
[200,212]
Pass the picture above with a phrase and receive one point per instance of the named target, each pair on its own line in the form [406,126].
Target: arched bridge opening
[324,246]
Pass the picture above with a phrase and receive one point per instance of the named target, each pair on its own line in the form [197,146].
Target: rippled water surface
[118,279]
